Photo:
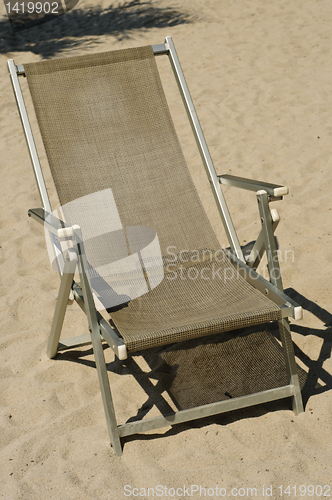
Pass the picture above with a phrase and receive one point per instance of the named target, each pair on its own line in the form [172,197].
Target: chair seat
[193,301]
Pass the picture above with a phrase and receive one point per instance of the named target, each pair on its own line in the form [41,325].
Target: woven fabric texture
[105,123]
[215,368]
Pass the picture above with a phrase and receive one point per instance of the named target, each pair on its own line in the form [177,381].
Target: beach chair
[130,222]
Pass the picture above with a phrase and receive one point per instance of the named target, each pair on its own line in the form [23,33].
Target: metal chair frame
[100,330]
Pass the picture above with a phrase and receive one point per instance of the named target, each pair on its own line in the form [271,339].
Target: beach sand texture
[260,74]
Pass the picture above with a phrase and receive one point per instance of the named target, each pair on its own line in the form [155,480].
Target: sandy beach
[260,75]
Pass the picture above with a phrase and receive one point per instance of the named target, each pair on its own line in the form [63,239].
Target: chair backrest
[105,124]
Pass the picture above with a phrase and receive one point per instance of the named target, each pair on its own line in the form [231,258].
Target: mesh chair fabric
[105,124]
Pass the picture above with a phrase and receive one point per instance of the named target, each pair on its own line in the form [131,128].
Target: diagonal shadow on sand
[315,367]
[165,371]
[83,26]
[266,366]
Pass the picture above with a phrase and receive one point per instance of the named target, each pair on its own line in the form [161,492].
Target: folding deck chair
[130,220]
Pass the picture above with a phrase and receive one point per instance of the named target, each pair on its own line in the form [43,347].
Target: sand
[260,74]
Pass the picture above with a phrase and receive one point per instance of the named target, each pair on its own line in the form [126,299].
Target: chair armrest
[274,190]
[52,223]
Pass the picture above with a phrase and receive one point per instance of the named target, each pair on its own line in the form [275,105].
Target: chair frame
[100,330]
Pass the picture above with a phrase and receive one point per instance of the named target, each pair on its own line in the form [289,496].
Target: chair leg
[287,343]
[254,258]
[61,303]
[105,390]
[275,278]
[98,351]
[269,239]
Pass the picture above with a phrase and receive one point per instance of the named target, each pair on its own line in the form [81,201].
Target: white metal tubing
[97,347]
[270,242]
[61,304]
[109,334]
[31,146]
[287,343]
[203,149]
[79,341]
[252,185]
[28,135]
[158,50]
[258,249]
[287,305]
[206,410]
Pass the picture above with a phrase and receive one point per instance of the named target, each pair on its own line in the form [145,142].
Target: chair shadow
[154,397]
[309,380]
[83,26]
[165,373]
[315,367]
